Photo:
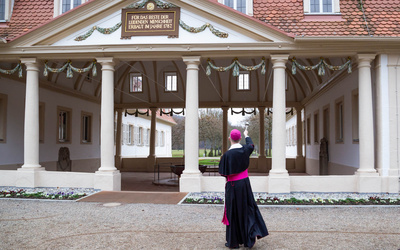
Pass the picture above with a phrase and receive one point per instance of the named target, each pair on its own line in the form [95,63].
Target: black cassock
[245,220]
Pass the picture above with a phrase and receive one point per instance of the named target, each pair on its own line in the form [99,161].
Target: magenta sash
[233,177]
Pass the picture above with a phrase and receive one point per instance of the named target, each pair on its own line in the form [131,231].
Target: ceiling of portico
[216,90]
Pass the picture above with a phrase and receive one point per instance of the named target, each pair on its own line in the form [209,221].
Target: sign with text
[150,21]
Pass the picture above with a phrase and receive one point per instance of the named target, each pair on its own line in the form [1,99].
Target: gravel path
[38,224]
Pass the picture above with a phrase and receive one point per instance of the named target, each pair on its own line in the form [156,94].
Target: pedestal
[190,182]
[279,184]
[107,180]
[29,177]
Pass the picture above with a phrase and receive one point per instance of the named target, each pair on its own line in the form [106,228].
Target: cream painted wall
[346,153]
[12,152]
[143,151]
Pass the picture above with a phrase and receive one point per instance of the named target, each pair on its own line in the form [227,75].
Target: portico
[110,93]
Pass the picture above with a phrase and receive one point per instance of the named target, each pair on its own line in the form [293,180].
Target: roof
[382,17]
[26,16]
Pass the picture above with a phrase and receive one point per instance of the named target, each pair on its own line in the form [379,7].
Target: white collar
[237,145]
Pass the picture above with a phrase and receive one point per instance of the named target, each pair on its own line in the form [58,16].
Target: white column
[31,127]
[382,116]
[190,180]
[225,129]
[366,127]
[29,174]
[279,181]
[107,177]
[368,179]
[279,116]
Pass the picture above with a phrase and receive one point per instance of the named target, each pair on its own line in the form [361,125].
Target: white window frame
[86,127]
[241,81]
[131,86]
[58,6]
[335,8]
[171,82]
[249,6]
[64,133]
[130,135]
[339,120]
[140,137]
[8,8]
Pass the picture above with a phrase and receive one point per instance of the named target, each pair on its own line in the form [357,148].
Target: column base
[29,176]
[278,184]
[107,180]
[369,183]
[190,182]
[151,161]
[118,162]
[390,184]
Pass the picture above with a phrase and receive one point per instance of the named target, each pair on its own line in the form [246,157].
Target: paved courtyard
[85,225]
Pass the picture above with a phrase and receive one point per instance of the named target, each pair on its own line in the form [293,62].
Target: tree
[254,130]
[210,128]
[178,132]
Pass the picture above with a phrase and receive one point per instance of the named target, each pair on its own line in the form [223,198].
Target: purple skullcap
[235,135]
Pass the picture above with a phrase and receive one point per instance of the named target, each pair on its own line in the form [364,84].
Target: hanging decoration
[289,111]
[172,112]
[159,4]
[105,31]
[12,71]
[137,113]
[243,112]
[235,65]
[202,28]
[70,68]
[321,66]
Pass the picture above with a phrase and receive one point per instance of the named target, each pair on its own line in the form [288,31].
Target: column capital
[225,108]
[364,60]
[261,108]
[191,60]
[153,109]
[107,63]
[32,64]
[279,61]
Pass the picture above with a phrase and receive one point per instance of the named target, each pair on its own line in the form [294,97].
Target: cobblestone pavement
[37,224]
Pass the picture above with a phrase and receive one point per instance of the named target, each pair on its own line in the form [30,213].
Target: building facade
[336,62]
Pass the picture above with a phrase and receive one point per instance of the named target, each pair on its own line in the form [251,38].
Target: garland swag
[105,31]
[235,65]
[321,66]
[12,71]
[70,68]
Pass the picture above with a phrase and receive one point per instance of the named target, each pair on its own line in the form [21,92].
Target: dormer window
[6,7]
[244,6]
[321,7]
[67,5]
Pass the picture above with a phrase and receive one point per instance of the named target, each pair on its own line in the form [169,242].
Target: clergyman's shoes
[236,247]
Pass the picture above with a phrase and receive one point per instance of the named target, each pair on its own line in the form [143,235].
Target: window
[2,10]
[316,128]
[64,124]
[339,116]
[321,6]
[243,81]
[41,122]
[147,137]
[67,5]
[355,123]
[308,130]
[86,127]
[136,84]
[3,117]
[171,81]
[162,139]
[239,5]
[140,141]
[130,135]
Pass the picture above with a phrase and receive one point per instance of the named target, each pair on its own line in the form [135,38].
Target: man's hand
[246,133]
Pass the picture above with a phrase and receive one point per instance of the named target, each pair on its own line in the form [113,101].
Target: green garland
[235,65]
[159,4]
[105,31]
[12,71]
[321,66]
[70,68]
[202,28]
